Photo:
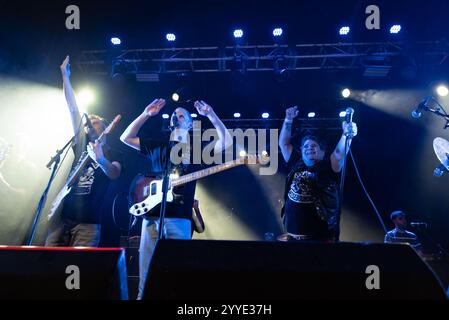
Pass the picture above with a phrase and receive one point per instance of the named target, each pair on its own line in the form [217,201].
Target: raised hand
[350,129]
[291,113]
[203,108]
[95,151]
[154,107]
[65,67]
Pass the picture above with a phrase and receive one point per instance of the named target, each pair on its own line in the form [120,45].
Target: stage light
[242,153]
[265,115]
[165,116]
[170,37]
[277,32]
[395,29]
[346,93]
[237,115]
[238,33]
[175,97]
[116,41]
[85,98]
[344,31]
[342,114]
[442,91]
[194,115]
[311,115]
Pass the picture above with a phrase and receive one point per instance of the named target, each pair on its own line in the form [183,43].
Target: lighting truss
[257,58]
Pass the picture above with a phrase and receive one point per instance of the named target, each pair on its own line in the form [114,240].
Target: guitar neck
[84,161]
[207,172]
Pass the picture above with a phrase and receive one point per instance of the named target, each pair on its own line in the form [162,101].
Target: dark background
[394,152]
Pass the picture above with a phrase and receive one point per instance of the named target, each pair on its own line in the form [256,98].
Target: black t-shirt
[311,204]
[83,204]
[157,152]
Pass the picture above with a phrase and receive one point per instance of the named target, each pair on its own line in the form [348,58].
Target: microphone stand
[165,187]
[343,171]
[438,112]
[55,161]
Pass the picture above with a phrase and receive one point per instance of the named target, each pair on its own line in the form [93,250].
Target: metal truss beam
[258,58]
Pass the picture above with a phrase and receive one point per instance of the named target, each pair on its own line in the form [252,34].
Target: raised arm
[70,95]
[224,137]
[286,133]
[129,136]
[337,157]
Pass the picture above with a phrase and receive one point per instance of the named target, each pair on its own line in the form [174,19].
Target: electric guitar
[147,192]
[83,162]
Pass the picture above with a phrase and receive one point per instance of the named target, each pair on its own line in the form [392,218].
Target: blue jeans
[174,228]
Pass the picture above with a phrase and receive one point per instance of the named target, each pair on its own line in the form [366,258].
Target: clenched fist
[291,113]
[350,129]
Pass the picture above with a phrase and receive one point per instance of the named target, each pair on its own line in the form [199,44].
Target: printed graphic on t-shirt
[301,189]
[85,182]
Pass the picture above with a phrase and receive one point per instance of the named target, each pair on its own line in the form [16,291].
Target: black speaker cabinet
[62,273]
[228,270]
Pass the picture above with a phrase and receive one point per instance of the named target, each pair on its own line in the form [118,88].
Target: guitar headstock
[112,125]
[262,158]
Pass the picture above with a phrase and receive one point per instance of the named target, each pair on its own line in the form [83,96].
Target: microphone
[419,225]
[174,122]
[439,171]
[88,122]
[422,106]
[349,115]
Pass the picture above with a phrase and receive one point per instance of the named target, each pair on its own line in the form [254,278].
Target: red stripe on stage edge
[33,248]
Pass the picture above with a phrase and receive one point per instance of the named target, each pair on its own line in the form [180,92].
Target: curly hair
[97,117]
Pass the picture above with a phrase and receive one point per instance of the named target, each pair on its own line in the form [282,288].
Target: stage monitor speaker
[228,270]
[62,273]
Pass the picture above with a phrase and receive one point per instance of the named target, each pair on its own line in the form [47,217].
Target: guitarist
[79,223]
[179,212]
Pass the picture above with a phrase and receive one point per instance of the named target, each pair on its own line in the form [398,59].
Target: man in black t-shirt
[177,224]
[312,207]
[79,222]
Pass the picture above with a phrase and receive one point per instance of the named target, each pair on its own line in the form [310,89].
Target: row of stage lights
[264,115]
[86,97]
[441,90]
[344,31]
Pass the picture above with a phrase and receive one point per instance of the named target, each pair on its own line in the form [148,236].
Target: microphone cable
[367,194]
